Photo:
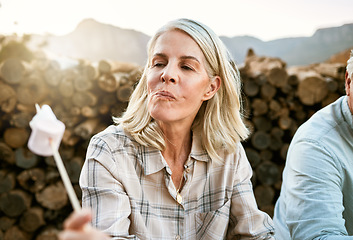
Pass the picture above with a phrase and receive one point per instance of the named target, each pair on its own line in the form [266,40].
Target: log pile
[83,95]
[86,95]
[278,99]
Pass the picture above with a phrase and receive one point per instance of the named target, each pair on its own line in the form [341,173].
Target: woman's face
[177,80]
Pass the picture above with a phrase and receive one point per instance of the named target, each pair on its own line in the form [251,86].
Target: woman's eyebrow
[189,57]
[159,55]
[186,57]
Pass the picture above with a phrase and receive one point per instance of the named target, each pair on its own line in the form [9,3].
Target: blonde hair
[219,120]
[349,67]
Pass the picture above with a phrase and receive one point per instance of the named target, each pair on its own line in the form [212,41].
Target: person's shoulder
[110,131]
[324,122]
[232,156]
[114,135]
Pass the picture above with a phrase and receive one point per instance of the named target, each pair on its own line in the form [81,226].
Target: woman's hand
[76,227]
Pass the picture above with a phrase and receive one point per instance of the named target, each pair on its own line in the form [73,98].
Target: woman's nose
[169,75]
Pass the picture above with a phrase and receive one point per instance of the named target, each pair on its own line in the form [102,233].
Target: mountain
[95,41]
[323,44]
[296,51]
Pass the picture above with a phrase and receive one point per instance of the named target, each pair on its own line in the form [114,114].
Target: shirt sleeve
[103,193]
[247,221]
[314,200]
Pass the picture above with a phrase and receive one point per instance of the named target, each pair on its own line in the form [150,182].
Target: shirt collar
[347,114]
[197,150]
[153,161]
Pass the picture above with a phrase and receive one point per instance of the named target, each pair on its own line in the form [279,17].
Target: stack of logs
[86,95]
[277,101]
[83,95]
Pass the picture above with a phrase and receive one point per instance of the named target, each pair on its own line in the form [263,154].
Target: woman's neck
[176,152]
[177,145]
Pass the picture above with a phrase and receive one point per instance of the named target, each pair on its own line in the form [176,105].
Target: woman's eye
[186,67]
[158,64]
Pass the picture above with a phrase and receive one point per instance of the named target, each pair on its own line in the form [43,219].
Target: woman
[173,167]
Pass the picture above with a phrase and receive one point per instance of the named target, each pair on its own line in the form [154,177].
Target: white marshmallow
[45,127]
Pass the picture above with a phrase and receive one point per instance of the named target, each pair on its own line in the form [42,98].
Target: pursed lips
[165,94]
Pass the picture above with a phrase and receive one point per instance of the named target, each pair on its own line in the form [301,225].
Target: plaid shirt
[130,190]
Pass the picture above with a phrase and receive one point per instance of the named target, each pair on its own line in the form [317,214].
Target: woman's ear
[215,84]
[348,83]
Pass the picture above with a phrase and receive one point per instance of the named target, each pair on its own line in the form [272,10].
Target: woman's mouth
[165,95]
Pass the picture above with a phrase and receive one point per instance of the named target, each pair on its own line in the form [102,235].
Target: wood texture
[53,196]
[15,202]
[32,219]
[8,98]
[16,137]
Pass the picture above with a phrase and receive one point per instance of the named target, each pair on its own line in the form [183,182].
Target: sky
[264,19]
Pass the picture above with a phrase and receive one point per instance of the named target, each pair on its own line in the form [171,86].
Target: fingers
[76,227]
[87,234]
[72,235]
[77,220]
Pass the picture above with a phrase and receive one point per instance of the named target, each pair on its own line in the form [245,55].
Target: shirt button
[177,237]
[179,198]
[187,170]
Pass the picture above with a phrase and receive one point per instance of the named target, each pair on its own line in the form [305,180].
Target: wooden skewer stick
[64,176]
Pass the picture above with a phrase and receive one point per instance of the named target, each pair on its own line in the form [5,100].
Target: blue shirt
[316,200]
